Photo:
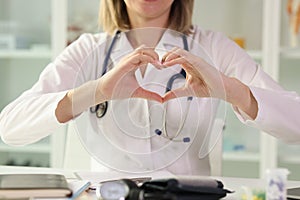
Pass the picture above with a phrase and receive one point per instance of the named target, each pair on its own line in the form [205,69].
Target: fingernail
[157,62]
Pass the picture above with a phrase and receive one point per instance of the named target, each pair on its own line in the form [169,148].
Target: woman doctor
[216,69]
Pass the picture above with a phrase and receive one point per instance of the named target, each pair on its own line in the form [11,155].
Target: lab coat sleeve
[31,116]
[278,109]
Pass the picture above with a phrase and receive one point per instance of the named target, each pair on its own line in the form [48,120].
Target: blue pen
[78,191]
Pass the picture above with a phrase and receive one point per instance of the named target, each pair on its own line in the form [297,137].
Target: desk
[233,184]
[229,182]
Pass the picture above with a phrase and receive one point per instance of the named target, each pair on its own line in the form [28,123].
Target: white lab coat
[129,125]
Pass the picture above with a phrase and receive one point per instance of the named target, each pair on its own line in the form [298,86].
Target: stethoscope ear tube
[101,108]
[181,75]
[108,53]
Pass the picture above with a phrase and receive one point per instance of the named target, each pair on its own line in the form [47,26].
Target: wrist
[64,111]
[240,95]
[83,97]
[99,96]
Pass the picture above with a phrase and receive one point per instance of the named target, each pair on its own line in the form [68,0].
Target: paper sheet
[97,177]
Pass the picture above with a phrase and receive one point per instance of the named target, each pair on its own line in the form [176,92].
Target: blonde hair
[113,16]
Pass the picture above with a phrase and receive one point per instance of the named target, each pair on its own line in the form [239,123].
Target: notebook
[13,186]
[293,193]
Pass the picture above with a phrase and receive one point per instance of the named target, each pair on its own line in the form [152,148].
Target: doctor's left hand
[204,80]
[121,83]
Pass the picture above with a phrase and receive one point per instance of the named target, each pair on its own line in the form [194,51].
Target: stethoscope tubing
[100,112]
[101,109]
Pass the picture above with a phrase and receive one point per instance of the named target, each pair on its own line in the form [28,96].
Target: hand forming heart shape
[202,80]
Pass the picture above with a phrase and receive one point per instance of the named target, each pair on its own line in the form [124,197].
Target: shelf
[35,148]
[35,41]
[291,53]
[241,156]
[28,54]
[255,54]
[291,159]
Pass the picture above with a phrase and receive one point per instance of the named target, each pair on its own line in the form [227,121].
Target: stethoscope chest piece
[100,109]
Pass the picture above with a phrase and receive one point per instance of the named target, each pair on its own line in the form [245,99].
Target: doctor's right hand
[120,82]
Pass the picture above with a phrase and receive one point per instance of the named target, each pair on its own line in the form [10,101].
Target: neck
[137,21]
[142,23]
[145,36]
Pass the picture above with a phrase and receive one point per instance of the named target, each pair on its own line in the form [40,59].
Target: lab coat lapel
[130,113]
[155,79]
[122,48]
[171,39]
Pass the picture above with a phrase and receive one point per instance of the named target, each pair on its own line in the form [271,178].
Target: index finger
[173,54]
[149,51]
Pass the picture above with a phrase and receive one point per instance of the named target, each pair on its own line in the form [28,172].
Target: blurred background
[33,32]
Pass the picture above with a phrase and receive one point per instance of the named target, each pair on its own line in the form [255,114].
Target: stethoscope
[101,109]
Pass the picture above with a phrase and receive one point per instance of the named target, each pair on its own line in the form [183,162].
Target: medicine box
[7,42]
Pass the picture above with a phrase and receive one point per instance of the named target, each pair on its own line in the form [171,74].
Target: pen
[80,190]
